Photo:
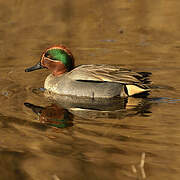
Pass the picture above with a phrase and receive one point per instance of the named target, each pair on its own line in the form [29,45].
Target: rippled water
[41,140]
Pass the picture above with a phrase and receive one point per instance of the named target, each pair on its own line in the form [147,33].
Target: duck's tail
[141,88]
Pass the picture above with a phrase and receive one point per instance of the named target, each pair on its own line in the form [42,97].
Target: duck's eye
[48,55]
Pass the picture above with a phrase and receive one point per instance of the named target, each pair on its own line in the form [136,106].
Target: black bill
[35,67]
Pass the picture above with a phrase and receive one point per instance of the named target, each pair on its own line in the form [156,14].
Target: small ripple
[164,100]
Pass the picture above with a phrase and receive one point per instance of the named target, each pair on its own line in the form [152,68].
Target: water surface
[142,35]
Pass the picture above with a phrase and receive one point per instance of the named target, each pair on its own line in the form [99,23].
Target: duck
[88,80]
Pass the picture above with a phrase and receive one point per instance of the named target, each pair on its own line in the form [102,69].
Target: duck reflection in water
[61,114]
[53,115]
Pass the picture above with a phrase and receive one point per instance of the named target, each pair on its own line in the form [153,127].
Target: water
[88,144]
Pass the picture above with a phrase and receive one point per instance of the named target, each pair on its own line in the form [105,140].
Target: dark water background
[142,35]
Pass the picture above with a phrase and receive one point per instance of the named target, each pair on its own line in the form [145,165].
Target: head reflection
[53,115]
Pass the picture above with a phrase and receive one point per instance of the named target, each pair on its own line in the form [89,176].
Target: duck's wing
[134,82]
[109,73]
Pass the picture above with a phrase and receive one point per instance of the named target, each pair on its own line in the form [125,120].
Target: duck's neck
[61,70]
[58,73]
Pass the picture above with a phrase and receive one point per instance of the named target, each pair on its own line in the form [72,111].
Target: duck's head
[57,59]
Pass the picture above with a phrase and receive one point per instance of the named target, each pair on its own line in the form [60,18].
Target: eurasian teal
[92,81]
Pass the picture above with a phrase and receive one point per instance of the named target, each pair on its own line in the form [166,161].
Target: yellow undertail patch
[133,89]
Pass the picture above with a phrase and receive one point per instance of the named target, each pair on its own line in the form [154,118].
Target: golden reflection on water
[142,35]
